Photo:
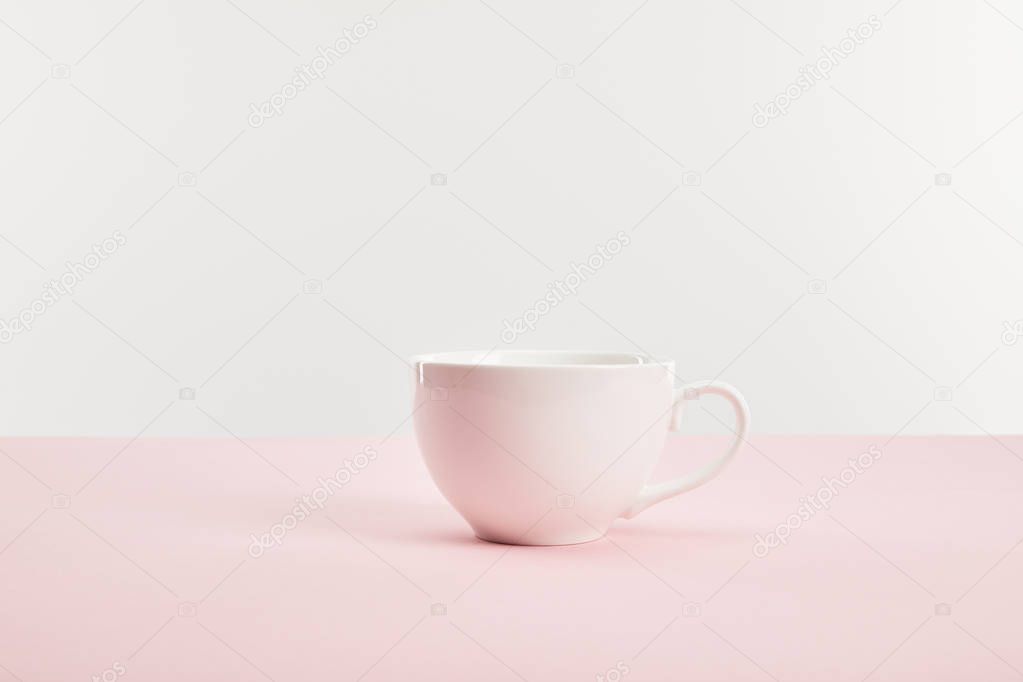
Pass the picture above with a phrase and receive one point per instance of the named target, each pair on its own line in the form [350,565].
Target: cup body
[541,448]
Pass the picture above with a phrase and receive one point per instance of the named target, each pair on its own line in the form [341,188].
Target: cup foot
[572,539]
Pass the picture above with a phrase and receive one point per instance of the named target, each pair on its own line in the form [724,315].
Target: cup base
[543,542]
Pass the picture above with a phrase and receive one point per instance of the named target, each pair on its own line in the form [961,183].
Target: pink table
[133,559]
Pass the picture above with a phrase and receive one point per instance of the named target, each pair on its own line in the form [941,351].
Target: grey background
[555,126]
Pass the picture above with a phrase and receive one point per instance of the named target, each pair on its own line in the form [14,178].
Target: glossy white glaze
[550,447]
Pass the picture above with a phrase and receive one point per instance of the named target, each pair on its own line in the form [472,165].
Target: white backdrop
[852,264]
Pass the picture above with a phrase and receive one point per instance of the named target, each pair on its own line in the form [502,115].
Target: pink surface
[144,571]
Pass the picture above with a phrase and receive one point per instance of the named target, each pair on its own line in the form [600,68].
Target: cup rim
[538,359]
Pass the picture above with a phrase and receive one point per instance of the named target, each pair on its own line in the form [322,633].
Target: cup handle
[653,493]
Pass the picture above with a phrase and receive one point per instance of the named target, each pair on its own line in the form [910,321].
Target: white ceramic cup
[550,447]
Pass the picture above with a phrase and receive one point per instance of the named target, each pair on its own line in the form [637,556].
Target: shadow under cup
[541,447]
